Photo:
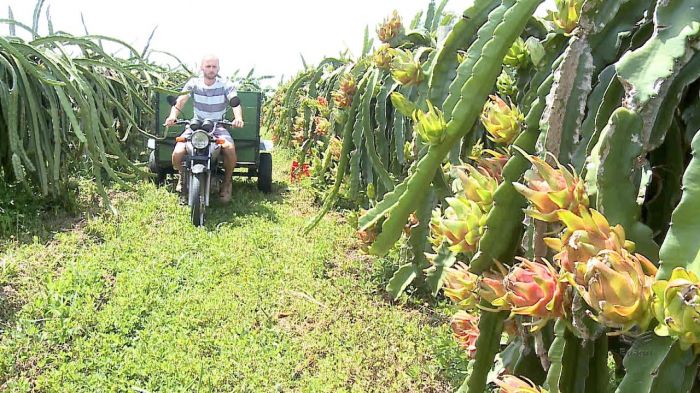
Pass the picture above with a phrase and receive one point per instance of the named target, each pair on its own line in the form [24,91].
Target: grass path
[142,301]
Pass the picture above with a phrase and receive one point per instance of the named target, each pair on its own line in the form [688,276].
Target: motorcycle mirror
[172,100]
[208,125]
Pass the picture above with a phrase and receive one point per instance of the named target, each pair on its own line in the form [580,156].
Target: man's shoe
[178,187]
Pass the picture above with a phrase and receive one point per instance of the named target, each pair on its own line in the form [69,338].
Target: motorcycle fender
[198,168]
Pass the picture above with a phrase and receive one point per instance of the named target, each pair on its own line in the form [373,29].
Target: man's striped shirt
[210,102]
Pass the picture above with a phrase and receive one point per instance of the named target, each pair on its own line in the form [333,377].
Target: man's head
[210,67]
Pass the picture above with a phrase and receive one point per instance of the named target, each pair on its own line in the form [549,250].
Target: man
[211,96]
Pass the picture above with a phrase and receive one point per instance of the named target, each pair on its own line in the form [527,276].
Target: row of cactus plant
[68,107]
[542,172]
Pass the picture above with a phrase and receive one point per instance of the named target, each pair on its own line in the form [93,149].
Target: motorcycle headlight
[200,140]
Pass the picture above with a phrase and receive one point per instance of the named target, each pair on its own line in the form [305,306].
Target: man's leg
[228,149]
[178,154]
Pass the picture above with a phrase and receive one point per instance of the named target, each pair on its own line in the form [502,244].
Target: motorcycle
[200,167]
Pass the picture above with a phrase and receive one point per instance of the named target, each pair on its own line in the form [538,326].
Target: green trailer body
[247,139]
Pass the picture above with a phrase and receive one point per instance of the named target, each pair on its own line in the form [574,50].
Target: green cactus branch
[642,363]
[487,348]
[589,129]
[610,175]
[681,248]
[465,113]
[648,72]
[368,131]
[506,215]
[444,65]
[342,165]
[610,87]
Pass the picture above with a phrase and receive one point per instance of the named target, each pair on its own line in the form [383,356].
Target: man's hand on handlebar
[237,123]
[170,121]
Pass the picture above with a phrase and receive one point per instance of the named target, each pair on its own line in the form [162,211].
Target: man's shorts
[219,132]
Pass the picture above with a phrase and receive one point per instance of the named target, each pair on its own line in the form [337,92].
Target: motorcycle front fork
[212,183]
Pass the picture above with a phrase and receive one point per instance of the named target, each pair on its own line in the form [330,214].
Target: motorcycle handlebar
[187,123]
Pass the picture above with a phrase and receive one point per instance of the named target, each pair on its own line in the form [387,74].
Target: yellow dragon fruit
[567,14]
[335,148]
[618,286]
[344,95]
[405,69]
[465,327]
[533,289]
[517,54]
[585,236]
[430,125]
[323,125]
[550,190]
[506,85]
[478,186]
[677,308]
[411,223]
[382,57]
[391,28]
[461,286]
[513,384]
[491,285]
[502,121]
[461,227]
[489,161]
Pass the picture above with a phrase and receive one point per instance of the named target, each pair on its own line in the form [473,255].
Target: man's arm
[232,94]
[176,109]
[237,117]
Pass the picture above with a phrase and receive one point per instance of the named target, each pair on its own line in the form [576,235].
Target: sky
[268,35]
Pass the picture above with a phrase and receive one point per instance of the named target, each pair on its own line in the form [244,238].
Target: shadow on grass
[26,218]
[246,200]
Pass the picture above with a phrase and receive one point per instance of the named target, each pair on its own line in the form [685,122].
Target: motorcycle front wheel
[196,200]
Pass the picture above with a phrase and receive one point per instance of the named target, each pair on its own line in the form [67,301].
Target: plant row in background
[543,172]
[70,106]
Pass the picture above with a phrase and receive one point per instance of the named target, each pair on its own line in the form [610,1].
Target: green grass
[143,301]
